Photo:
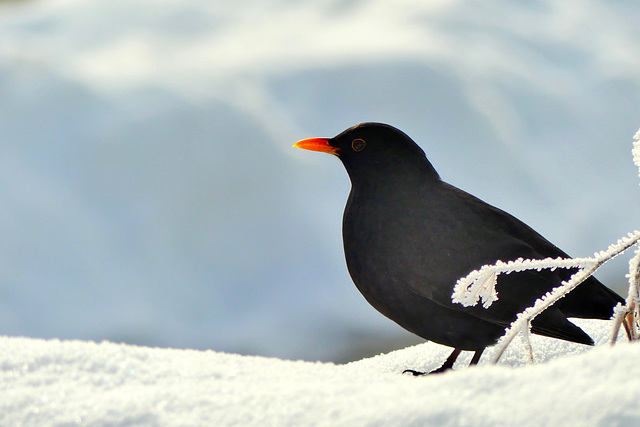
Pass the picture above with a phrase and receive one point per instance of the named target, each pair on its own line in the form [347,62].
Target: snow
[56,383]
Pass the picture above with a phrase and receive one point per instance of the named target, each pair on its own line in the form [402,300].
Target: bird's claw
[420,374]
[414,373]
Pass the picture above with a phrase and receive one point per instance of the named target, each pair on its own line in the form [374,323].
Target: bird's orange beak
[317,144]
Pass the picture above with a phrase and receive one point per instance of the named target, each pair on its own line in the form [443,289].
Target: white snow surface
[62,383]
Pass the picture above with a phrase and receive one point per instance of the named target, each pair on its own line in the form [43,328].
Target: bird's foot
[414,373]
[440,370]
[447,365]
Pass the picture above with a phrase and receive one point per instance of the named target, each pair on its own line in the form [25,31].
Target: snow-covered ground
[149,192]
[64,383]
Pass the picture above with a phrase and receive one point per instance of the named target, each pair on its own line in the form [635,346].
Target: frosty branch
[480,285]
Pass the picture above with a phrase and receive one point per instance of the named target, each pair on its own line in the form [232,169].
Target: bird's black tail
[590,300]
[552,323]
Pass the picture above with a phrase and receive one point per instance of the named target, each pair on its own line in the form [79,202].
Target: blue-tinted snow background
[149,192]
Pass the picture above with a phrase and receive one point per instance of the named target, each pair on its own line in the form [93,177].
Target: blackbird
[409,236]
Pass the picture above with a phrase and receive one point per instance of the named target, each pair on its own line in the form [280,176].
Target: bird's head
[373,150]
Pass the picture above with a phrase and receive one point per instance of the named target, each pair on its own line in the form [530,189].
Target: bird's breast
[404,241]
[382,244]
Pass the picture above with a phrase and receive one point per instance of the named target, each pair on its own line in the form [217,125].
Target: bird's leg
[448,364]
[476,357]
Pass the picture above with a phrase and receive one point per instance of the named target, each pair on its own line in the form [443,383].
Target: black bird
[409,236]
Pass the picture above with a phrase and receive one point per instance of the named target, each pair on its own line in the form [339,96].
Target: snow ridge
[56,383]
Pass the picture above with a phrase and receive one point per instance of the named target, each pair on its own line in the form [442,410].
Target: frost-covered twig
[631,307]
[523,321]
[630,313]
[480,285]
[636,150]
[525,318]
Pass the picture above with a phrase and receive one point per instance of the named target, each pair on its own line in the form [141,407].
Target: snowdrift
[51,382]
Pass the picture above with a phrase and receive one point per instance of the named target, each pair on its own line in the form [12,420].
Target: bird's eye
[358,144]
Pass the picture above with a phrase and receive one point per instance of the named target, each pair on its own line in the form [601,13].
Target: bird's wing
[504,222]
[478,234]
[590,300]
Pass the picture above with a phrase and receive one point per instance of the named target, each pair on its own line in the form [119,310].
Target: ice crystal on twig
[480,285]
